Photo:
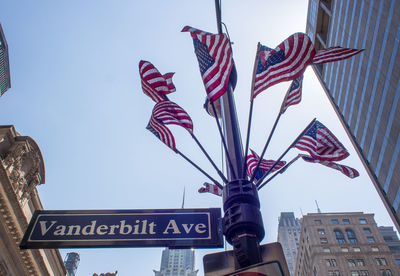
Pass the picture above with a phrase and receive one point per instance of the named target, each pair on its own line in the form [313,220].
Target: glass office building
[365,90]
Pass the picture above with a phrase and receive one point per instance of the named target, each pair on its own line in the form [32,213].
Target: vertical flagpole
[200,169]
[183,197]
[250,109]
[286,151]
[209,159]
[282,170]
[242,222]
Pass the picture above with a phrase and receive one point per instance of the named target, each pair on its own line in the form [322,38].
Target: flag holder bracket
[242,221]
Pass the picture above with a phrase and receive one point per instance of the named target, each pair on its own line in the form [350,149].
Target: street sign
[223,263]
[174,228]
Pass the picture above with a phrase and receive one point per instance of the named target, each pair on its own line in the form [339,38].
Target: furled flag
[321,144]
[293,95]
[334,54]
[350,172]
[169,113]
[155,85]
[211,188]
[215,59]
[162,133]
[265,165]
[286,62]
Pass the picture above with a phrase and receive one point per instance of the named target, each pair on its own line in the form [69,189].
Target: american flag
[293,96]
[211,188]
[348,171]
[169,113]
[155,85]
[334,54]
[286,62]
[265,165]
[215,59]
[321,144]
[162,133]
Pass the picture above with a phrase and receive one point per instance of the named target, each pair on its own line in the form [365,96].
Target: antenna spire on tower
[319,210]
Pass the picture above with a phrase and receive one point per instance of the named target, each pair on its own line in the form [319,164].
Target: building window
[398,261]
[335,221]
[318,222]
[333,273]
[363,221]
[364,273]
[339,236]
[351,263]
[345,249]
[323,240]
[380,261]
[351,236]
[355,273]
[326,250]
[360,262]
[370,239]
[356,249]
[346,221]
[374,248]
[321,231]
[330,262]
[386,272]
[367,230]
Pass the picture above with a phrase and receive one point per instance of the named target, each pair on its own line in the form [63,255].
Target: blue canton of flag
[259,173]
[264,50]
[203,57]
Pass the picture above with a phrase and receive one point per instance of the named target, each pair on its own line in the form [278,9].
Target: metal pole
[242,222]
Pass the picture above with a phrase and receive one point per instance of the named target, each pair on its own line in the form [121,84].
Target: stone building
[343,244]
[392,240]
[21,171]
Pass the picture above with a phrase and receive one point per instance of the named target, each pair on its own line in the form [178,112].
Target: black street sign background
[174,228]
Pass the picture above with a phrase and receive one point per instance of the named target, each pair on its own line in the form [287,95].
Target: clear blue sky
[76,91]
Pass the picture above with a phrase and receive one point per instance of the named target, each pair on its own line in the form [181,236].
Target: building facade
[289,229]
[177,262]
[392,240]
[365,89]
[5,80]
[342,244]
[21,170]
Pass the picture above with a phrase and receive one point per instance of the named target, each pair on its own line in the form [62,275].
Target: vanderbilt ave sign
[175,228]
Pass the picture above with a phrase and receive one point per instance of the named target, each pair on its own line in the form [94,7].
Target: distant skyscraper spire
[183,198]
[319,210]
[71,263]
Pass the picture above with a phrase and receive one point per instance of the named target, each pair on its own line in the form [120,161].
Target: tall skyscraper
[5,80]
[289,229]
[71,263]
[341,244]
[365,90]
[392,240]
[177,262]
